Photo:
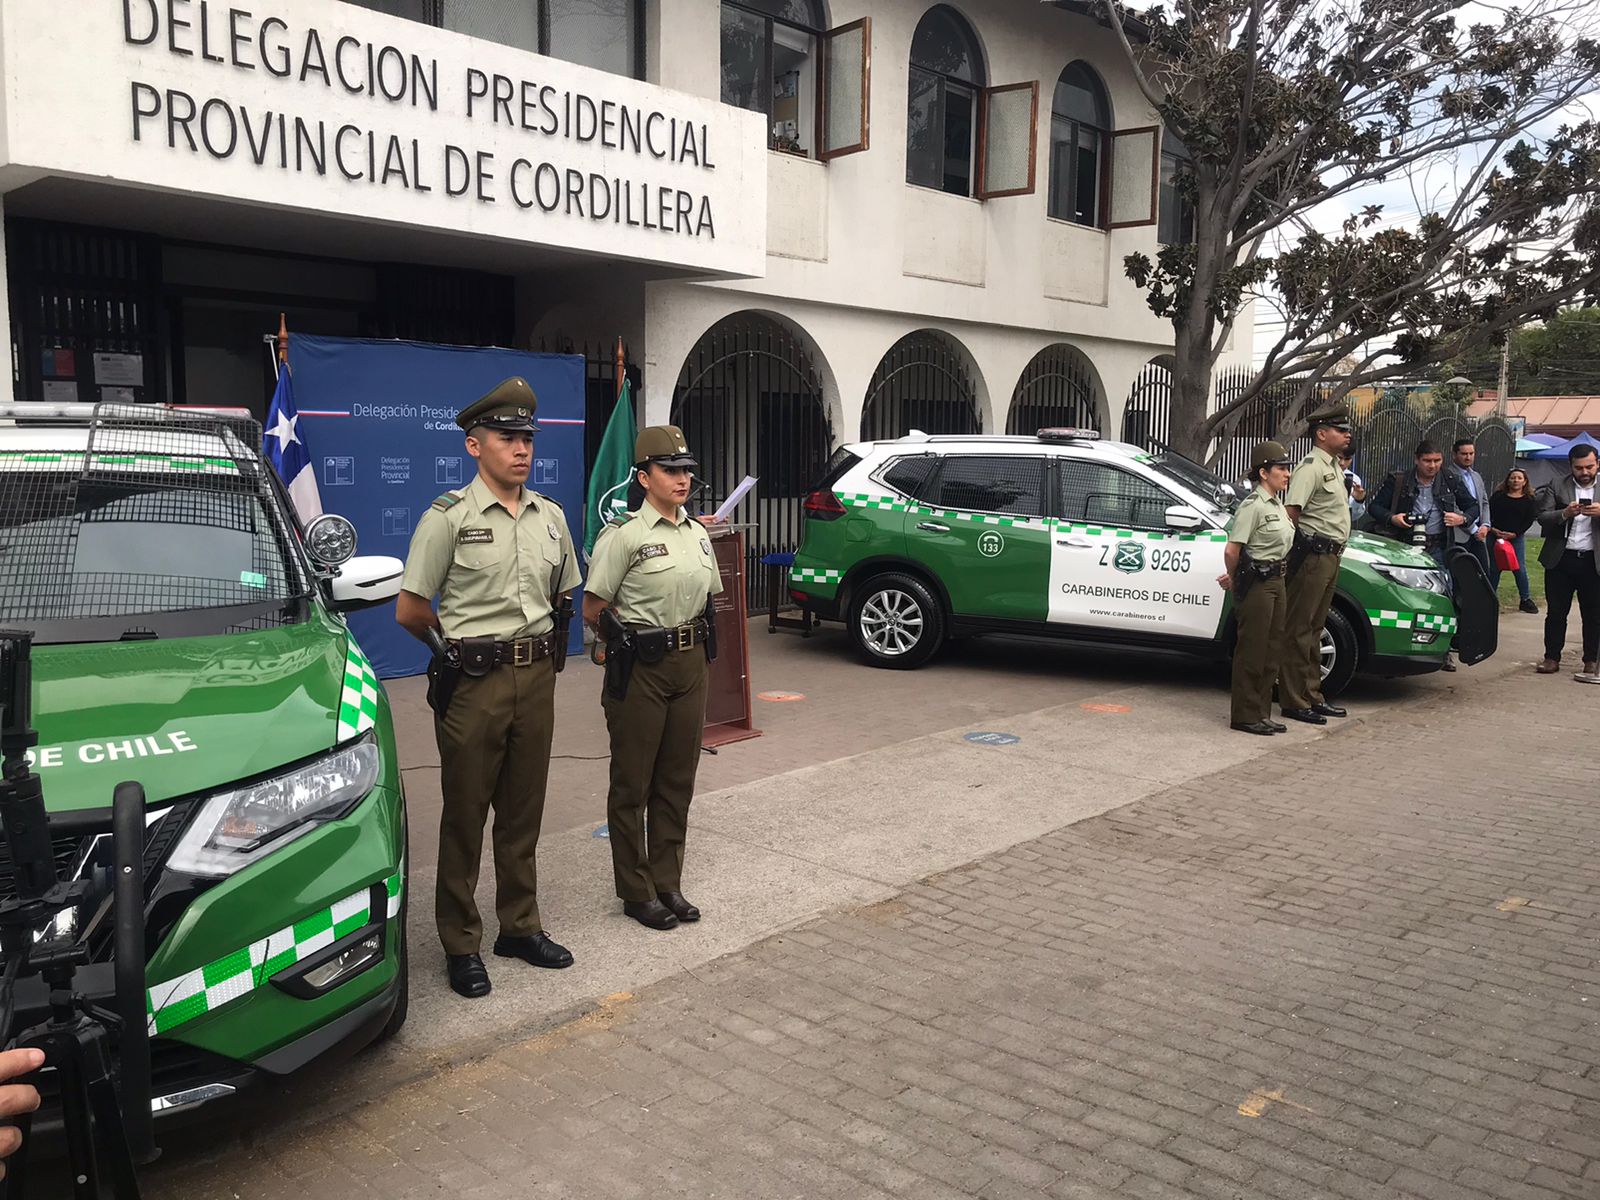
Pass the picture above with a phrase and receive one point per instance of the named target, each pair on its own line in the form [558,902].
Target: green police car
[187,635]
[912,541]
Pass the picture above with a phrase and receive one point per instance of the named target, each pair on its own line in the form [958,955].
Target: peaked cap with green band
[1269,454]
[663,444]
[508,407]
[1336,415]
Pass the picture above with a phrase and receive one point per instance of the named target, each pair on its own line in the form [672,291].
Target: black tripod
[101,1144]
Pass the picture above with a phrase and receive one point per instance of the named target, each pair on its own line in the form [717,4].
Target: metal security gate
[77,292]
[749,401]
[922,383]
[1057,390]
[1269,416]
[1147,419]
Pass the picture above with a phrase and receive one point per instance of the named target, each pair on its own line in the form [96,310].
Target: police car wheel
[1339,654]
[895,622]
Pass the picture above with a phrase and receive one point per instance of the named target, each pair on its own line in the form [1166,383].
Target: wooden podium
[729,716]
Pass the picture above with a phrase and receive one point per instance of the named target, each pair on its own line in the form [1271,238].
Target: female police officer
[1258,546]
[650,584]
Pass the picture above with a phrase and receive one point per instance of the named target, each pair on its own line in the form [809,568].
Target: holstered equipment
[444,672]
[709,616]
[561,608]
[1250,570]
[1307,544]
[620,650]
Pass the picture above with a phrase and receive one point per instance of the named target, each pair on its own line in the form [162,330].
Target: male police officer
[1320,509]
[502,562]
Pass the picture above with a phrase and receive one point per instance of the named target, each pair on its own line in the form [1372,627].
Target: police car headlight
[243,826]
[1421,578]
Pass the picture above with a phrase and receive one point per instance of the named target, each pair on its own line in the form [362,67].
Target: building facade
[809,221]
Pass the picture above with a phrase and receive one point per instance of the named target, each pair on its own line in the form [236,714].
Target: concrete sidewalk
[1220,988]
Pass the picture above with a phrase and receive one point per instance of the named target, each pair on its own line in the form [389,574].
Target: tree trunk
[1191,393]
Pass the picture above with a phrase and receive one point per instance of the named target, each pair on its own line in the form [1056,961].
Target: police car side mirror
[365,581]
[1183,519]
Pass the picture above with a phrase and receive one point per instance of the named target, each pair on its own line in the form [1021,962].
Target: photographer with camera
[1425,506]
[16,1098]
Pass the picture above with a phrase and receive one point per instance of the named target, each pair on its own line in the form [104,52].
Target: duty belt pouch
[477,656]
[650,645]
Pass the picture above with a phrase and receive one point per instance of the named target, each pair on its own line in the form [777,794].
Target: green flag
[613,469]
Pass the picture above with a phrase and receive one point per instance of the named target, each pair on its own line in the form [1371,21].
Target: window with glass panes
[1175,225]
[605,34]
[769,65]
[1080,124]
[942,117]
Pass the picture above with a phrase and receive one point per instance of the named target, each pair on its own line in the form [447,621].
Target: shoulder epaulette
[540,496]
[449,500]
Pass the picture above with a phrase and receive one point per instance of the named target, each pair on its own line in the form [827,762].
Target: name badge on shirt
[653,550]
[468,537]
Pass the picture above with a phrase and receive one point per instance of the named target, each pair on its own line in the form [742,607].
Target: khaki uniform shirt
[1317,489]
[494,573]
[1263,527]
[656,571]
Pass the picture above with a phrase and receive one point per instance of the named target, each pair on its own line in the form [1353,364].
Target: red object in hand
[1505,556]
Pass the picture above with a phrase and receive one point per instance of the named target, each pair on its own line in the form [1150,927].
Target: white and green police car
[912,541]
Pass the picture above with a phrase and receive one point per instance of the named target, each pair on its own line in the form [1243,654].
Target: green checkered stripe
[198,463]
[1388,618]
[234,976]
[358,703]
[892,504]
[816,575]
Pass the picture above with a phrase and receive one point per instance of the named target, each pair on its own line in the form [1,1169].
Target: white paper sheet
[739,493]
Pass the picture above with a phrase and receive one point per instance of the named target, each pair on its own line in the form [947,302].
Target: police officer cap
[663,444]
[1336,415]
[509,407]
[1269,454]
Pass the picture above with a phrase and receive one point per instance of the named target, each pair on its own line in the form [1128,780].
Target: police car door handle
[932,527]
[1076,543]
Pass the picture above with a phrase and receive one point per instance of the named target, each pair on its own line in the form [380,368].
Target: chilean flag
[286,451]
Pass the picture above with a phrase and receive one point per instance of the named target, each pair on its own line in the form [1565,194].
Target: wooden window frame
[825,73]
[1155,177]
[985,95]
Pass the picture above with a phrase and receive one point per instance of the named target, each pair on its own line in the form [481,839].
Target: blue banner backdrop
[378,418]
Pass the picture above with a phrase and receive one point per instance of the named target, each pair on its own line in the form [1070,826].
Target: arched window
[1080,125]
[946,78]
[769,65]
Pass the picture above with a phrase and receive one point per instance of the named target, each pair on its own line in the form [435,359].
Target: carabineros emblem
[1129,557]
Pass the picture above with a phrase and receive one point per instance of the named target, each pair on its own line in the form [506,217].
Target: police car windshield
[95,557]
[1209,487]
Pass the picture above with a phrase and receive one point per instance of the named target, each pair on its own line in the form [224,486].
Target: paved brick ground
[1330,974]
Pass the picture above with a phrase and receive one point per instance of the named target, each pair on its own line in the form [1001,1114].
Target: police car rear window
[994,483]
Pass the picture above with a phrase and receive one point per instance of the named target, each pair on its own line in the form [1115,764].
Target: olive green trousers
[1310,593]
[1259,617]
[494,752]
[655,752]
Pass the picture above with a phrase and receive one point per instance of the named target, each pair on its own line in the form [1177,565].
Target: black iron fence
[1057,390]
[921,383]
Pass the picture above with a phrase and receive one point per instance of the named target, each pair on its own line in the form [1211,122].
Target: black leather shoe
[1329,710]
[468,976]
[650,912]
[1260,727]
[1277,727]
[1309,715]
[680,907]
[537,950]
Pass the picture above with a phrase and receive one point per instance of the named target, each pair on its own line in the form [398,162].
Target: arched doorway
[1147,419]
[749,400]
[924,383]
[1059,389]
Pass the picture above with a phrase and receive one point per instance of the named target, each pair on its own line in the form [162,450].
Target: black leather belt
[680,637]
[1269,570]
[1320,545]
[523,652]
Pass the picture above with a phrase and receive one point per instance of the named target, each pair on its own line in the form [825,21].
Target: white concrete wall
[856,257]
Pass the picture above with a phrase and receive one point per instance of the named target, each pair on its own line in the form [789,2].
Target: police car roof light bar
[1066,434]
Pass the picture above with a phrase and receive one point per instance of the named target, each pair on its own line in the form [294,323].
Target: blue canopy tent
[1560,448]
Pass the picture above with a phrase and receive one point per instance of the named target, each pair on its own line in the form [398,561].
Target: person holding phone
[1570,517]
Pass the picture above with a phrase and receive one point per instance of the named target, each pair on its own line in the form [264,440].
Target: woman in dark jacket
[1512,510]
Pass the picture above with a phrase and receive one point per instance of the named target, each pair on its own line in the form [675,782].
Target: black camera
[1418,523]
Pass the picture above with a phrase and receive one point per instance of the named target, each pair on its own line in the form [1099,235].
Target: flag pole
[283,340]
[621,359]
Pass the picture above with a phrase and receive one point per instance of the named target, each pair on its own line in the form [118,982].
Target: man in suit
[1473,536]
[1570,518]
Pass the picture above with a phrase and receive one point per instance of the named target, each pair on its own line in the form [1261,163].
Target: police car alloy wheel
[896,622]
[1339,652]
